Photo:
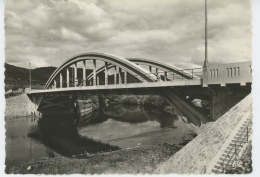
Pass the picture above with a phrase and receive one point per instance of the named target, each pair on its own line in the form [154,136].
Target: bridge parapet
[232,73]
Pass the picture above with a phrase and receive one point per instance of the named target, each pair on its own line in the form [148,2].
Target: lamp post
[206,62]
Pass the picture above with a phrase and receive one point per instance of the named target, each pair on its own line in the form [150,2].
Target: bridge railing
[37,86]
[160,76]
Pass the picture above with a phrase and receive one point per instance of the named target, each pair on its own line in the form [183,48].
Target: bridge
[221,85]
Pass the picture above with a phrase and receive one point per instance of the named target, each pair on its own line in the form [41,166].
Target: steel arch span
[111,60]
[60,97]
[173,71]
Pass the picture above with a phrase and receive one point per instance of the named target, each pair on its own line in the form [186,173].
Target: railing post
[115,75]
[97,80]
[60,80]
[106,73]
[235,149]
[94,71]
[247,134]
[84,73]
[68,77]
[125,75]
[75,75]
[165,76]
[54,84]
[120,76]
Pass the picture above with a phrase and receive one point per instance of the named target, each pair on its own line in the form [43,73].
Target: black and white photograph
[128,87]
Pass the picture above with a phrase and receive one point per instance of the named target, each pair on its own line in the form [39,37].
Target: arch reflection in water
[128,113]
[60,134]
[127,125]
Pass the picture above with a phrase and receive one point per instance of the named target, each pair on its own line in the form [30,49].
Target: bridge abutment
[225,98]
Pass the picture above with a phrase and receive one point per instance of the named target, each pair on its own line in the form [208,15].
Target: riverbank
[193,158]
[140,159]
[19,106]
[146,100]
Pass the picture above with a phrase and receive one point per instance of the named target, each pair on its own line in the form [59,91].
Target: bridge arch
[58,100]
[168,69]
[111,61]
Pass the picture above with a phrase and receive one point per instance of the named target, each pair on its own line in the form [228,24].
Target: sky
[48,32]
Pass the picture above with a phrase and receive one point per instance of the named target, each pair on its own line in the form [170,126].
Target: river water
[111,128]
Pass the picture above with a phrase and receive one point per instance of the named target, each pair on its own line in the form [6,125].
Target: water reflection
[59,133]
[128,113]
[128,125]
[110,128]
[19,147]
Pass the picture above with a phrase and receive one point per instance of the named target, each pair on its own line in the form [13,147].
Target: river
[108,129]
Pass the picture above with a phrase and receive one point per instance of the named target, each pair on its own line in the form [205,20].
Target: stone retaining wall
[196,155]
[19,106]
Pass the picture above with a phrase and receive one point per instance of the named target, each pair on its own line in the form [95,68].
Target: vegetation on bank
[146,100]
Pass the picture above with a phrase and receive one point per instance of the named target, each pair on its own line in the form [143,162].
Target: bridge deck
[190,82]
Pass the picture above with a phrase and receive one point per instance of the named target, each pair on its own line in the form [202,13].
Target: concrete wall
[225,98]
[228,74]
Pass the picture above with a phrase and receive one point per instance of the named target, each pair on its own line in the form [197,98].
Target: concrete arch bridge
[97,73]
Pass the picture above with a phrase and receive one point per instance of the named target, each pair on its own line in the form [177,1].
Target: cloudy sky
[48,32]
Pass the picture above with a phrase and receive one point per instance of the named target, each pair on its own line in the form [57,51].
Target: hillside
[17,76]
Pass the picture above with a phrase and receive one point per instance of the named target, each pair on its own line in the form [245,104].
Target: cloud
[49,32]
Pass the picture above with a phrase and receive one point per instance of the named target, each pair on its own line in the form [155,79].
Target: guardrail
[194,73]
[231,159]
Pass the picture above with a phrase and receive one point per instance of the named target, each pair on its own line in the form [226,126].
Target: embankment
[18,106]
[195,157]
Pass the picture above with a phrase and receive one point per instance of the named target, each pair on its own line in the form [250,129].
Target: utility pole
[206,62]
[30,77]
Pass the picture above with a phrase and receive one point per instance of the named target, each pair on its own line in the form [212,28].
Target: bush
[129,100]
